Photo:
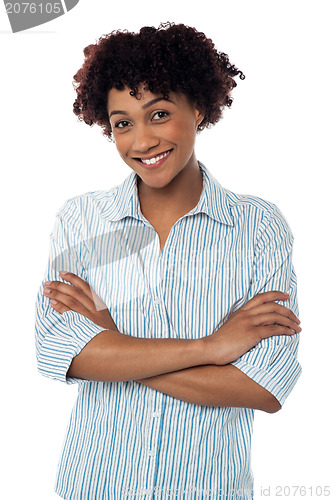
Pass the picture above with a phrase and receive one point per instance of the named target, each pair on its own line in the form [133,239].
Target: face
[154,136]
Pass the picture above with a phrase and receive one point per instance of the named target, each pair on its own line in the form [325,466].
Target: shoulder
[90,203]
[247,204]
[238,202]
[262,218]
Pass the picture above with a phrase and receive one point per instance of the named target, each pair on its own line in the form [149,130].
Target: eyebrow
[145,106]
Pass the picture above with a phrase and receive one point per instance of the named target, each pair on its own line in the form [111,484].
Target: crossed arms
[197,371]
[250,361]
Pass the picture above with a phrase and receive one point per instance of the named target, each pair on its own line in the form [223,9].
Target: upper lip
[152,156]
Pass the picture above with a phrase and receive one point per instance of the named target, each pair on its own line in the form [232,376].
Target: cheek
[183,131]
[187,133]
[121,144]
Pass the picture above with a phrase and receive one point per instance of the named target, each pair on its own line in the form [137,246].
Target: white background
[272,143]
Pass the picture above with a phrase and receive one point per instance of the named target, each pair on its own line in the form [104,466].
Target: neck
[180,195]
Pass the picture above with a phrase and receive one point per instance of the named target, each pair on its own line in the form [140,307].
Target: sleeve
[60,337]
[273,362]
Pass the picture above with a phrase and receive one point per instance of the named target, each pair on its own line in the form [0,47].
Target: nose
[144,139]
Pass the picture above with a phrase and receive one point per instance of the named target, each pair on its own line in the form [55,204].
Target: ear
[199,114]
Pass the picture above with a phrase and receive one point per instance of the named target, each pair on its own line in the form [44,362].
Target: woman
[169,317]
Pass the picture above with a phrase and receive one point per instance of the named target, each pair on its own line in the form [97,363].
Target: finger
[85,288]
[275,318]
[54,287]
[68,300]
[261,298]
[271,330]
[274,307]
[75,280]
[58,306]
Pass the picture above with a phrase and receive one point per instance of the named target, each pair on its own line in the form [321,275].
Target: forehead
[122,99]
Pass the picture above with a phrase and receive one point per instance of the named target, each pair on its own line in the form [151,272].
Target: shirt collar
[213,200]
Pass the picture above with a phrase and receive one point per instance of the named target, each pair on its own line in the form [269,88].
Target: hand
[258,319]
[80,298]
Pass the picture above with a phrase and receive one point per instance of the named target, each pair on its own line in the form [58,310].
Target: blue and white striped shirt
[124,439]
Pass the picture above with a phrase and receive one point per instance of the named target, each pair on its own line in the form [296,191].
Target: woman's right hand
[78,297]
[258,319]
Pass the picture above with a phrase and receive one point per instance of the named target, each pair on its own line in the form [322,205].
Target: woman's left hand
[78,297]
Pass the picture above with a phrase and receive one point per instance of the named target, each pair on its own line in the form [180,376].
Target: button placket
[156,295]
[155,422]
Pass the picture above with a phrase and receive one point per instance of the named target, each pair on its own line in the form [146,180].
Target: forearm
[113,356]
[212,385]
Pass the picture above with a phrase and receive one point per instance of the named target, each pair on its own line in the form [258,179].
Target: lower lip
[155,165]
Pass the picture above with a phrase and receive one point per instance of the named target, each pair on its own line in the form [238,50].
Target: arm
[71,346]
[212,385]
[273,362]
[264,376]
[112,356]
[60,337]
[92,360]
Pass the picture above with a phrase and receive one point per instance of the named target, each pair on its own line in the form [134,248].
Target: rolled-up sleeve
[273,362]
[60,337]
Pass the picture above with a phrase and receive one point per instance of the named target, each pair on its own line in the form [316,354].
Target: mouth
[154,161]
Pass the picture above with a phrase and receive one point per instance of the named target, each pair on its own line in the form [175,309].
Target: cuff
[278,378]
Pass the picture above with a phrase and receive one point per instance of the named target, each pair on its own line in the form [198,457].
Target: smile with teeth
[153,160]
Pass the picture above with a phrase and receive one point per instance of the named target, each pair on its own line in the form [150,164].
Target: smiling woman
[172,317]
[151,93]
[156,139]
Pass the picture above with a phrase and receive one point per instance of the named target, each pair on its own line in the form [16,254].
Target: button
[151,453]
[156,302]
[156,414]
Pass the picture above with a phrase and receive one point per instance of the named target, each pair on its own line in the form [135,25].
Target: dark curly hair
[173,57]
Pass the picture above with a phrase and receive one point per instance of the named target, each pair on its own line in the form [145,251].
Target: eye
[122,124]
[159,115]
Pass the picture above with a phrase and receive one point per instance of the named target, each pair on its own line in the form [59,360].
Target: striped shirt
[125,440]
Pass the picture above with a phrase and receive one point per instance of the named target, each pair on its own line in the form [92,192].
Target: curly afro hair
[173,57]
